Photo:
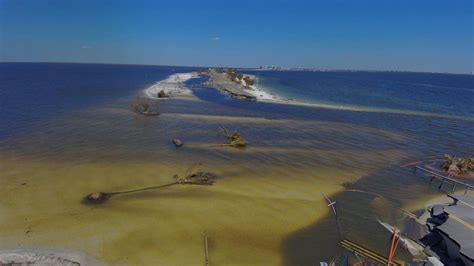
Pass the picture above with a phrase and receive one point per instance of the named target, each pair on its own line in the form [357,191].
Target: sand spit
[173,86]
[223,83]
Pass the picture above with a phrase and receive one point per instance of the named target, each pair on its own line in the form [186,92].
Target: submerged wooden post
[441,184]
[332,204]
[206,249]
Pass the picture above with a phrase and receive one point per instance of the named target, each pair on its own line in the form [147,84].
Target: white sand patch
[172,86]
[260,93]
[263,95]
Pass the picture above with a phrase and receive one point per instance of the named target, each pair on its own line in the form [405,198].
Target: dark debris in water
[197,178]
[178,142]
[456,165]
[235,139]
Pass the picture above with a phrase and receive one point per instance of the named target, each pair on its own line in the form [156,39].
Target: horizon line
[250,68]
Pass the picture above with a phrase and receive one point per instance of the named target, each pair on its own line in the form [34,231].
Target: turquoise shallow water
[78,135]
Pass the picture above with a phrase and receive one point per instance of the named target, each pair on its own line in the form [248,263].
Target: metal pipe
[468,186]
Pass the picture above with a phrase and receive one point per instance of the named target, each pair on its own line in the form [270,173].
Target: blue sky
[416,35]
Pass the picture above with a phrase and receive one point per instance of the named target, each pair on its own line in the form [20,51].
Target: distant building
[270,67]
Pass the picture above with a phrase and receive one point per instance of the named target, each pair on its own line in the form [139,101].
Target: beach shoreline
[173,86]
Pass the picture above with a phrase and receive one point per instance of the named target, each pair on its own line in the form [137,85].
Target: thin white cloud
[86,47]
[216,38]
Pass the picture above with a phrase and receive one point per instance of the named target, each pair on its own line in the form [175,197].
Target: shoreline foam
[173,85]
[263,95]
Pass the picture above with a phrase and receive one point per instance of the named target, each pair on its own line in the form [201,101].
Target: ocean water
[67,130]
[442,94]
[36,92]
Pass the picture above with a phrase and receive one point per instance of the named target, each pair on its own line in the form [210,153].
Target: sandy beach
[173,86]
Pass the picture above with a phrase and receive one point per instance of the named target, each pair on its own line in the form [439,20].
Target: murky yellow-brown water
[266,208]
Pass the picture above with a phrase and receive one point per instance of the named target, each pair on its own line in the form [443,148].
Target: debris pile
[197,178]
[238,78]
[144,106]
[456,165]
[177,142]
[235,140]
[162,94]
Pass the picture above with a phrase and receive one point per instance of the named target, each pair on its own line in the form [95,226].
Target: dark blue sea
[35,91]
[422,92]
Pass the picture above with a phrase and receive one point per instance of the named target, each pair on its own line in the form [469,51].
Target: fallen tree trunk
[198,178]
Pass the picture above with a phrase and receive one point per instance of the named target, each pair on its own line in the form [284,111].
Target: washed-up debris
[248,81]
[177,142]
[456,165]
[162,94]
[234,139]
[44,257]
[196,178]
[145,106]
[237,77]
